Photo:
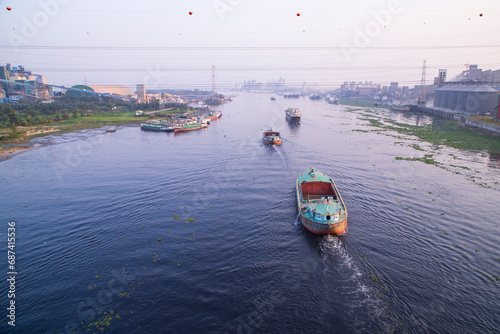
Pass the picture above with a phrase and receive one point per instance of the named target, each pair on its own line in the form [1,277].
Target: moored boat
[215,115]
[272,137]
[321,208]
[406,107]
[190,127]
[157,127]
[293,115]
[334,100]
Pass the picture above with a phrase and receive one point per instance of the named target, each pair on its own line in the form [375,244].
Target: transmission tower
[422,91]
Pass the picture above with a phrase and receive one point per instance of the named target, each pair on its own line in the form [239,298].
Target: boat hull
[272,142]
[321,228]
[293,119]
[157,129]
[190,128]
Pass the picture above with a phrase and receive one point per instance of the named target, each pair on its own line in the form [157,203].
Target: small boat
[157,127]
[215,115]
[272,137]
[321,208]
[190,127]
[293,115]
[405,107]
[314,97]
[334,100]
[273,98]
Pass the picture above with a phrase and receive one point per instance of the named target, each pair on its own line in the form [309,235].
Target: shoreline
[22,144]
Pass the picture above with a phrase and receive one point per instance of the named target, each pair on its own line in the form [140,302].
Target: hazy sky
[159,43]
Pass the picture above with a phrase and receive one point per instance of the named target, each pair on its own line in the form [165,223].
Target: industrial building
[470,98]
[141,93]
[19,83]
[110,90]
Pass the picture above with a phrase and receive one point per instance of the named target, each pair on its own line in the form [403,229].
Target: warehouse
[477,99]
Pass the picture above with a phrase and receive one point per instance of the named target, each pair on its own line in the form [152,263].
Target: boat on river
[190,127]
[157,127]
[405,108]
[293,115]
[215,115]
[272,137]
[321,208]
[334,100]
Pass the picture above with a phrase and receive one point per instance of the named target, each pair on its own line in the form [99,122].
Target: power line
[238,48]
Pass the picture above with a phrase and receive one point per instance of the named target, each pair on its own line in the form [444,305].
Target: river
[140,232]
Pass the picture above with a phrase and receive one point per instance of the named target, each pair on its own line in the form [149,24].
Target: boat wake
[365,308]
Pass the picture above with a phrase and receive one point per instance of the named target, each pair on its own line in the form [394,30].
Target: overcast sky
[159,43]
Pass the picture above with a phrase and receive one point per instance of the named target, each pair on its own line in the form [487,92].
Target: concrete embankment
[485,126]
[444,113]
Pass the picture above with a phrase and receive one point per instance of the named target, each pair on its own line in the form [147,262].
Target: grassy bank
[440,132]
[24,134]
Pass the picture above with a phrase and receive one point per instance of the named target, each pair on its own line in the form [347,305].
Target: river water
[139,232]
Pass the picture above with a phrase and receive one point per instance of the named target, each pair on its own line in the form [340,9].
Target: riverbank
[20,142]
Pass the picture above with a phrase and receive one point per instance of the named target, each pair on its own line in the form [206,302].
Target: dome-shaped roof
[107,89]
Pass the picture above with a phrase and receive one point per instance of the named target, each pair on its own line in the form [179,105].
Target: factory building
[141,93]
[23,84]
[477,99]
[111,90]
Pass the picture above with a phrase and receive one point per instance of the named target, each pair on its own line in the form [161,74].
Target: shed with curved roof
[112,90]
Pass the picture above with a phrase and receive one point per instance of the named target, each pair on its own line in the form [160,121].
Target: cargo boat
[321,208]
[293,115]
[190,127]
[157,127]
[215,115]
[272,137]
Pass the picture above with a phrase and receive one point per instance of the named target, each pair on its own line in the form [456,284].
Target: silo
[462,98]
[487,97]
[452,97]
[437,97]
[445,92]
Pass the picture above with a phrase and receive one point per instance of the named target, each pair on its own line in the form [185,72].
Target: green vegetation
[440,132]
[22,121]
[427,159]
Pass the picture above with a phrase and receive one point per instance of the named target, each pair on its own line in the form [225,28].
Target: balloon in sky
[481,15]
[190,13]
[9,9]
[298,14]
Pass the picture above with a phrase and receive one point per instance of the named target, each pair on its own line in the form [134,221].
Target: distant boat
[215,115]
[405,107]
[293,115]
[273,98]
[291,96]
[321,208]
[334,100]
[190,127]
[157,127]
[315,97]
[272,137]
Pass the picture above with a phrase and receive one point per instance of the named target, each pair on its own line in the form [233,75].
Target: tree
[13,119]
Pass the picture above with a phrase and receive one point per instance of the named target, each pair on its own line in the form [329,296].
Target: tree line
[26,113]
